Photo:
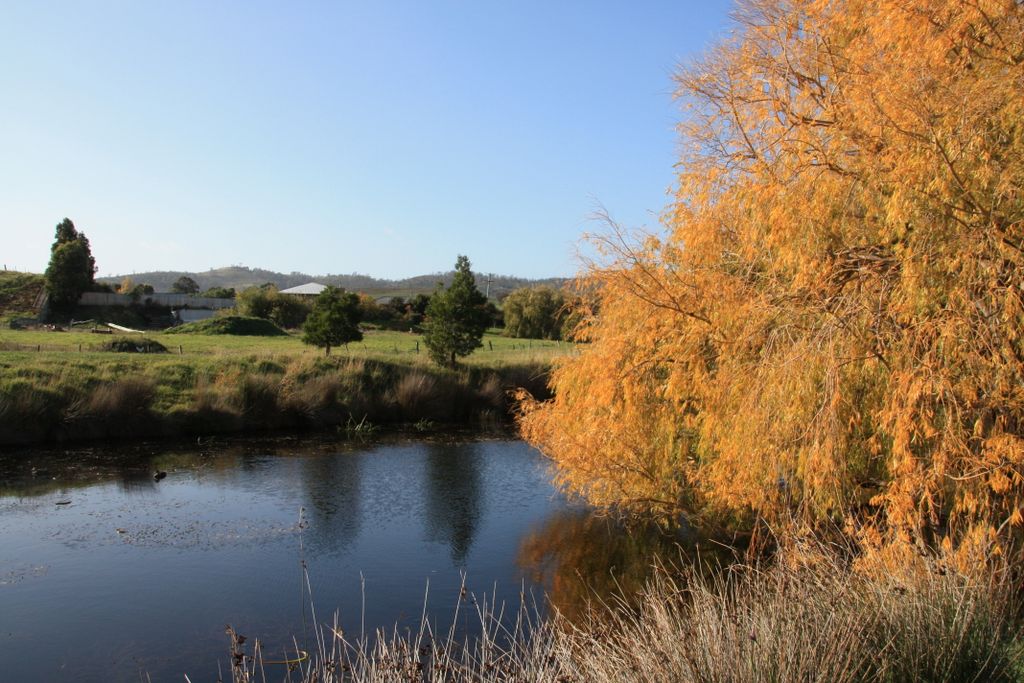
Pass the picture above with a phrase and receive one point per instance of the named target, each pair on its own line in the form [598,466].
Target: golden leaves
[833,312]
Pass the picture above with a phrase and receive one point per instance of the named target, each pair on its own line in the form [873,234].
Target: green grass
[376,344]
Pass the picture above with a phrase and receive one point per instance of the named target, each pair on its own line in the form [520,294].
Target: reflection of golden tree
[577,555]
[835,305]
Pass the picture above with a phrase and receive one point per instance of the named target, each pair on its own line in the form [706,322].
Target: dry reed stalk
[823,622]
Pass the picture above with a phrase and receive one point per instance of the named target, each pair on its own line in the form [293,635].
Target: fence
[180,346]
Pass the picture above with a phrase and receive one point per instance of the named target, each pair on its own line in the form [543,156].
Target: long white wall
[162,299]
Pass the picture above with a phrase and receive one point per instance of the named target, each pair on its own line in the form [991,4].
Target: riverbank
[216,385]
[820,621]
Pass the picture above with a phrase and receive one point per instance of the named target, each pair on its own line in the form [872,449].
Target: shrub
[266,302]
[134,345]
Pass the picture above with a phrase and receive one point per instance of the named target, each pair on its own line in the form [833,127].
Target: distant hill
[241,277]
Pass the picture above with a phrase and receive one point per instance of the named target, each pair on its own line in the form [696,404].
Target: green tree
[456,317]
[416,309]
[138,291]
[71,269]
[534,313]
[285,310]
[185,285]
[220,293]
[334,319]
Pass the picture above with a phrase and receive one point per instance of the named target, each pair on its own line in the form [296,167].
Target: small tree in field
[72,267]
[185,285]
[334,320]
[457,317]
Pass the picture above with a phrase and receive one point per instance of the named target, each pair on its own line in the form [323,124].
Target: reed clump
[825,621]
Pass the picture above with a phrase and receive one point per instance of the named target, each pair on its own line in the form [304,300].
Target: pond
[108,574]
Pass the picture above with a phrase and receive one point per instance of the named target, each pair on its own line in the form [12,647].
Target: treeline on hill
[240,277]
[829,330]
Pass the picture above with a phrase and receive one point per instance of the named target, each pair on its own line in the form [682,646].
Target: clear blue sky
[337,137]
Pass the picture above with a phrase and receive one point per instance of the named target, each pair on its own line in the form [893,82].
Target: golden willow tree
[829,327]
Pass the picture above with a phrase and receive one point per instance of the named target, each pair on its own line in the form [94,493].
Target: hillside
[241,277]
[19,291]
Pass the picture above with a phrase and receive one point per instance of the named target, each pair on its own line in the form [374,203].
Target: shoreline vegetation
[821,620]
[119,388]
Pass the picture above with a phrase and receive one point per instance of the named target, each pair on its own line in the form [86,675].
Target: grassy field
[65,386]
[377,344]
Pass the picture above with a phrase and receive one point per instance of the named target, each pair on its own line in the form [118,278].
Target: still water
[107,574]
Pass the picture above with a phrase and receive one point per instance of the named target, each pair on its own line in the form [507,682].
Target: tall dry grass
[820,623]
[823,622]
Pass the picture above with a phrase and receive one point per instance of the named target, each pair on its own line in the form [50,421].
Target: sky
[376,137]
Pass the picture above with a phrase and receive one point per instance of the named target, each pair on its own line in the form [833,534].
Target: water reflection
[577,554]
[136,480]
[332,485]
[454,496]
[217,542]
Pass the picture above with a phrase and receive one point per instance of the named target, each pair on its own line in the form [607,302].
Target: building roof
[311,288]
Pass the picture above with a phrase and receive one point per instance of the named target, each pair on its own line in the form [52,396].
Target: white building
[308,289]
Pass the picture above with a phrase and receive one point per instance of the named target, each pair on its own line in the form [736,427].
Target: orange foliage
[830,322]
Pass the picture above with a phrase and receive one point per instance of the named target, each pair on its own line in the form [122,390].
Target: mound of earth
[231,324]
[19,291]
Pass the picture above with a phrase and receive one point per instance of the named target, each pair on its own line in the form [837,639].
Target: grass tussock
[825,622]
[416,394]
[317,400]
[118,408]
[29,410]
[126,398]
